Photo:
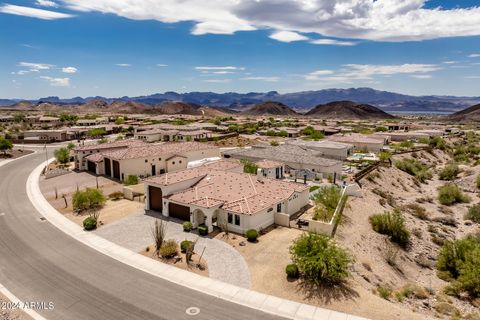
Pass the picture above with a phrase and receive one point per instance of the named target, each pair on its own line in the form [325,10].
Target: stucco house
[361,142]
[325,148]
[219,191]
[118,161]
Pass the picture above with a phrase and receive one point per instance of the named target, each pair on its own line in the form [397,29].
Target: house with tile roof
[220,191]
[122,158]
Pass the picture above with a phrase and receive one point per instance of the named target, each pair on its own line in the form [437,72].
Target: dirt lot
[194,266]
[15,153]
[267,260]
[67,185]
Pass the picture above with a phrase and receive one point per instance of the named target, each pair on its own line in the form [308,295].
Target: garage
[92,167]
[179,211]
[155,198]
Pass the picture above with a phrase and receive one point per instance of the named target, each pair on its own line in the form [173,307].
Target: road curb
[10,296]
[246,297]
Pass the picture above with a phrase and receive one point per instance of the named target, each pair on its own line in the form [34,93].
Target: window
[180,161]
[159,159]
[173,162]
[237,219]
[146,160]
[230,218]
[279,207]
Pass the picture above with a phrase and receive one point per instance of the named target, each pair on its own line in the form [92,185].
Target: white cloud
[46,3]
[422,76]
[162,65]
[219,68]
[69,70]
[22,72]
[474,55]
[267,79]
[472,77]
[354,72]
[333,42]
[57,82]
[450,62]
[33,12]
[380,20]
[217,80]
[124,65]
[287,36]
[35,67]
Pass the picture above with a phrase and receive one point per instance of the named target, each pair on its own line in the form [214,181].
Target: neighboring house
[361,142]
[49,121]
[167,132]
[91,122]
[214,192]
[270,169]
[46,135]
[294,158]
[401,136]
[326,148]
[7,118]
[143,159]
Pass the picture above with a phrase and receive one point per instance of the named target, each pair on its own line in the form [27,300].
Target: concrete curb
[249,298]
[4,162]
[10,296]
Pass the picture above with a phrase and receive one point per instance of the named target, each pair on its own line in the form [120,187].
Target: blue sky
[114,48]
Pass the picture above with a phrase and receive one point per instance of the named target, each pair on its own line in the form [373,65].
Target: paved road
[40,263]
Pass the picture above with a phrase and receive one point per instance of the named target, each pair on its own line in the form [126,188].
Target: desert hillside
[348,110]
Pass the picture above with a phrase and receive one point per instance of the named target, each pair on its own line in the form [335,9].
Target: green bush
[450,172]
[459,261]
[313,188]
[62,155]
[89,199]
[414,168]
[187,226]
[249,167]
[116,195]
[450,194]
[5,145]
[392,225]
[169,249]
[326,201]
[184,245]
[131,180]
[320,259]
[473,213]
[90,223]
[252,235]
[292,271]
[202,230]
[384,292]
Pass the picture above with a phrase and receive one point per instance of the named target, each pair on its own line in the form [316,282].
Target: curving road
[38,262]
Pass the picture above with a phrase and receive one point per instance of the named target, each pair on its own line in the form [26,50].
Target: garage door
[178,211]
[155,198]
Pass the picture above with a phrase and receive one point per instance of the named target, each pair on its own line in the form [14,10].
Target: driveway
[224,262]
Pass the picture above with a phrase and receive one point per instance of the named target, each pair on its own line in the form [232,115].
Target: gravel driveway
[224,262]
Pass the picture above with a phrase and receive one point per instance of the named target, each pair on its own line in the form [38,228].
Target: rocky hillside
[467,115]
[348,110]
[270,108]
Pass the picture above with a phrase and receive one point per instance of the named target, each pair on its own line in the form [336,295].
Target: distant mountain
[348,110]
[270,108]
[299,101]
[471,114]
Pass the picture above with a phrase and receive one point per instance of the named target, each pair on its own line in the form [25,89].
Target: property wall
[281,219]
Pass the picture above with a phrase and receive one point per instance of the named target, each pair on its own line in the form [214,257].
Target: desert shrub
[116,195]
[384,292]
[5,144]
[320,259]
[437,143]
[185,244]
[131,180]
[274,143]
[187,226]
[477,182]
[249,167]
[450,194]
[411,291]
[90,223]
[417,211]
[292,271]
[313,188]
[414,168]
[251,235]
[459,261]
[202,230]
[449,172]
[393,225]
[326,201]
[169,249]
[384,156]
[90,199]
[473,213]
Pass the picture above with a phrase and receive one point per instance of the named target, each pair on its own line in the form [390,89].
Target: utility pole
[46,158]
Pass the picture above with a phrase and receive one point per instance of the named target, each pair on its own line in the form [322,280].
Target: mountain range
[299,101]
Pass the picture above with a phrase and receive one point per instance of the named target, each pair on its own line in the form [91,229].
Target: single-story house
[7,118]
[361,142]
[326,148]
[46,135]
[294,158]
[270,169]
[213,194]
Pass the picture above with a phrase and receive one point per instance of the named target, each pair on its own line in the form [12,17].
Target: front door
[108,167]
[116,170]
[154,171]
